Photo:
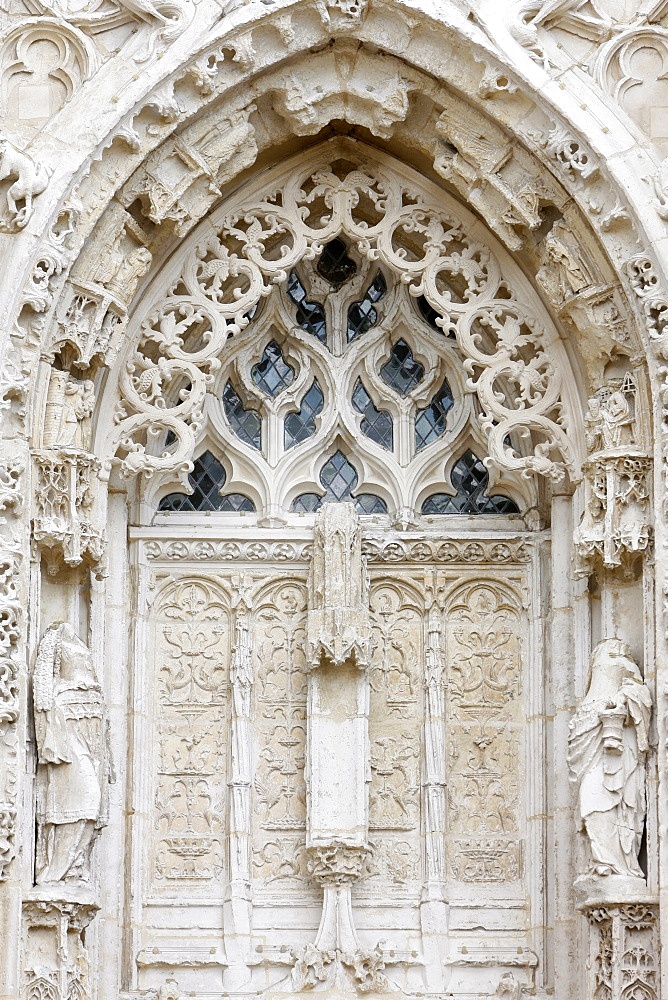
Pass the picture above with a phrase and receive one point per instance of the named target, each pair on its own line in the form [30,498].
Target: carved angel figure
[73,756]
[607,747]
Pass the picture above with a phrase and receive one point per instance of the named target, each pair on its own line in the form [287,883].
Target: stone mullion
[562,681]
[237,944]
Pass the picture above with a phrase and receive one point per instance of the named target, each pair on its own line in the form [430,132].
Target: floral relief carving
[280,707]
[625,952]
[483,665]
[192,629]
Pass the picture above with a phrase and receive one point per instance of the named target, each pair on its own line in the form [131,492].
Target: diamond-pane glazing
[310,316]
[246,424]
[363,315]
[402,372]
[430,423]
[339,478]
[470,479]
[334,265]
[236,502]
[207,480]
[272,373]
[375,424]
[300,426]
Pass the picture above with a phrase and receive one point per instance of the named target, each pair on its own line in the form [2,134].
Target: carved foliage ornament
[228,272]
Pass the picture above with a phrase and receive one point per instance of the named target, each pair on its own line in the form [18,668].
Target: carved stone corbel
[65,524]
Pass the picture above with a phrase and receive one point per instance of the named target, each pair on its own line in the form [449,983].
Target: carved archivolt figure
[607,747]
[31,180]
[72,750]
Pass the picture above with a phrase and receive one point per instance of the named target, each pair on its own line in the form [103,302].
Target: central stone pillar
[337,750]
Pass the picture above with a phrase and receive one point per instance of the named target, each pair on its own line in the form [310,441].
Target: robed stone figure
[608,743]
[73,757]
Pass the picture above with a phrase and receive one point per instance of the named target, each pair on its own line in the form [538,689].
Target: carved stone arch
[473,106]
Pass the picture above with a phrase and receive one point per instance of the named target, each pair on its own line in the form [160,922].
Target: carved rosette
[65,522]
[337,864]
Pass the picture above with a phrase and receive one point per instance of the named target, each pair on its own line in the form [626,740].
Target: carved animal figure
[31,180]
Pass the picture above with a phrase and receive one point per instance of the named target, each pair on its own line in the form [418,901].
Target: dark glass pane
[428,312]
[470,478]
[334,265]
[310,316]
[301,425]
[363,315]
[430,423]
[369,503]
[402,372]
[338,477]
[207,479]
[306,503]
[236,502]
[272,374]
[376,424]
[246,424]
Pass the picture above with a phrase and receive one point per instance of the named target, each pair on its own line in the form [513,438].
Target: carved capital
[337,864]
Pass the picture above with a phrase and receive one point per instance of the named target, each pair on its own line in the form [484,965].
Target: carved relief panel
[191,625]
[395,722]
[279,810]
[484,653]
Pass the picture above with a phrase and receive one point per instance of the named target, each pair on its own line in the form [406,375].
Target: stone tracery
[90,330]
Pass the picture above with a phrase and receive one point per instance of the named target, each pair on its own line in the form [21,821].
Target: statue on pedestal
[607,748]
[73,756]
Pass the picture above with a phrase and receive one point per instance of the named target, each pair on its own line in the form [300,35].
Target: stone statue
[607,747]
[69,407]
[73,756]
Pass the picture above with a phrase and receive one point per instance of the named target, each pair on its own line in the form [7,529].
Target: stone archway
[491,139]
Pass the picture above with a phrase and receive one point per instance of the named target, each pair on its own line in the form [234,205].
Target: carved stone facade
[333,530]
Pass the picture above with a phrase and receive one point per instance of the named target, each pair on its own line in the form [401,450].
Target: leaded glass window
[246,424]
[430,423]
[347,388]
[272,373]
[470,479]
[402,372]
[376,424]
[207,479]
[309,315]
[339,478]
[363,315]
[301,425]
